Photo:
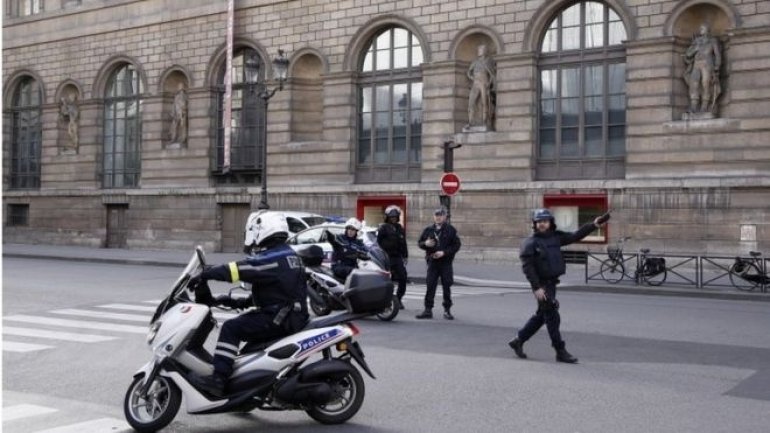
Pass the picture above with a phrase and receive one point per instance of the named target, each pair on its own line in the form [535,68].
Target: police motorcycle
[326,292]
[311,370]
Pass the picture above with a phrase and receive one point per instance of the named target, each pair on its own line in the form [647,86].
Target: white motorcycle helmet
[354,223]
[266,226]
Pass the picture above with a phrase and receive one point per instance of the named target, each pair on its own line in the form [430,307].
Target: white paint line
[20,411]
[78,324]
[101,425]
[128,307]
[104,315]
[12,346]
[55,335]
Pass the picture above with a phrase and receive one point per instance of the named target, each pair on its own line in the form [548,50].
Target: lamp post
[449,165]
[280,73]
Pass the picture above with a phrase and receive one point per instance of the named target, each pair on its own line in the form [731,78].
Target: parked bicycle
[747,274]
[649,270]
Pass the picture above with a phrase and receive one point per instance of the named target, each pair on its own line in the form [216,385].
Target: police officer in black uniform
[277,291]
[347,249]
[543,263]
[392,239]
[441,243]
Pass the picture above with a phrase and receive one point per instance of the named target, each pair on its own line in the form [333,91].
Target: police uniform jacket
[346,250]
[276,276]
[392,239]
[446,240]
[541,257]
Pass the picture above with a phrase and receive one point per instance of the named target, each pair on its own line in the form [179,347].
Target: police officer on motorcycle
[543,263]
[277,282]
[392,239]
[347,249]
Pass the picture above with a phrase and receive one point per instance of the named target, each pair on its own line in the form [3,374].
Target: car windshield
[314,220]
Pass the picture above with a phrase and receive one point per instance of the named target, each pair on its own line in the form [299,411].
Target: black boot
[213,384]
[400,304]
[426,314]
[448,314]
[517,345]
[563,356]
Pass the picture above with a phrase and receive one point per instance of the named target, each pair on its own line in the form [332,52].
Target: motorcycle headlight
[153,332]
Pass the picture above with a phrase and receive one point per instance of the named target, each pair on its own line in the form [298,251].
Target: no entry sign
[450,183]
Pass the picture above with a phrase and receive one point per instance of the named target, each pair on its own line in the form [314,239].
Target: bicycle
[650,270]
[747,274]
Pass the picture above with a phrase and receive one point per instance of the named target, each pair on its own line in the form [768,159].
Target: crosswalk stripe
[100,425]
[55,335]
[103,315]
[12,346]
[20,411]
[77,324]
[128,307]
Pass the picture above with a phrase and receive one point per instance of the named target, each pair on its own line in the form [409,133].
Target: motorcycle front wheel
[390,312]
[156,410]
[348,396]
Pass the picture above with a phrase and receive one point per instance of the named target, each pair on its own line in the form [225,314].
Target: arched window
[582,116]
[390,109]
[122,129]
[247,124]
[25,135]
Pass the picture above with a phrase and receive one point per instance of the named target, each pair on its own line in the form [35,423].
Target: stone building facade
[588,105]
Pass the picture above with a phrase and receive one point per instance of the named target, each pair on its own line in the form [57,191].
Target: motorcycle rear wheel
[157,410]
[319,308]
[347,400]
[390,312]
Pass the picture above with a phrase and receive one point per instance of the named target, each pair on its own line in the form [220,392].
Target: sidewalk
[467,273]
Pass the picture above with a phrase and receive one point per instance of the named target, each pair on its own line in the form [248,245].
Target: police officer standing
[347,249]
[543,263]
[392,239]
[277,290]
[441,243]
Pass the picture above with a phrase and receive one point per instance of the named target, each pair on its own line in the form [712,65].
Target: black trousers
[252,326]
[398,275]
[439,269]
[547,313]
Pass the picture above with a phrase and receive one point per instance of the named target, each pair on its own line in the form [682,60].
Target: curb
[459,280]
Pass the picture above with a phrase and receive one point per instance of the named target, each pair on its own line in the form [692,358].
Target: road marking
[100,425]
[464,291]
[12,346]
[55,335]
[128,307]
[77,324]
[103,315]
[20,411]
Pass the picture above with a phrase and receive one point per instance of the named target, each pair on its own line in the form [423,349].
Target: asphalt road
[647,363]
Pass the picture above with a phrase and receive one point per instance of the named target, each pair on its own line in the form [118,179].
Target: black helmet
[392,212]
[542,214]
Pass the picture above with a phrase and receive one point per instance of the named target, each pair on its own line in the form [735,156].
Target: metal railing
[702,272]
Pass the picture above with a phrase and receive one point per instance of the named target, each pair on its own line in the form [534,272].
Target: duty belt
[283,312]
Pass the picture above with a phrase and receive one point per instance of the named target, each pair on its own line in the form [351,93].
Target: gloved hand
[202,292]
[228,301]
[362,255]
[601,219]
[194,282]
[331,238]
[223,300]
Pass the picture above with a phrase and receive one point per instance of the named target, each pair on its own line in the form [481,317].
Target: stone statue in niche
[179,116]
[481,102]
[70,112]
[703,60]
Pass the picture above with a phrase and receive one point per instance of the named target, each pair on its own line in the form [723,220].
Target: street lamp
[449,163]
[280,73]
